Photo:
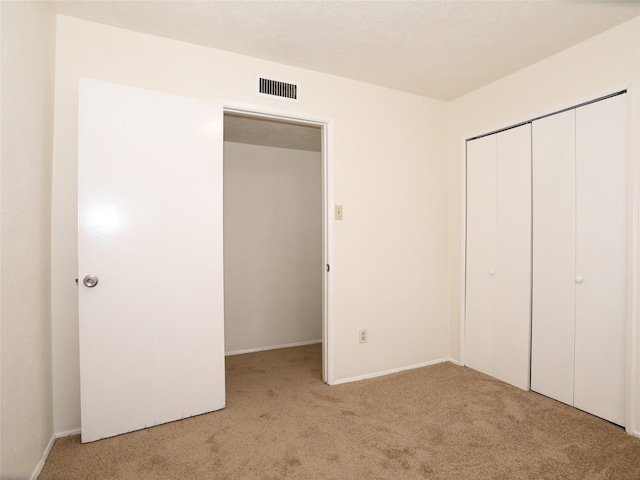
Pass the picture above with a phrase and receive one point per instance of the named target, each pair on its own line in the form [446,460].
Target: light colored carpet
[439,422]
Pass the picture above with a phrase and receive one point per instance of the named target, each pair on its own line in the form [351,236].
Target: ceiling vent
[277,89]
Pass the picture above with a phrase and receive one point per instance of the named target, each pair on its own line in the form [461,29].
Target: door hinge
[328,268]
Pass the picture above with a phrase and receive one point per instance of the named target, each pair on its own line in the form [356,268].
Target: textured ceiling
[438,49]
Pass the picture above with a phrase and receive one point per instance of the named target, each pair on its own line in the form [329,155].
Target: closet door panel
[481,245]
[513,256]
[601,171]
[553,290]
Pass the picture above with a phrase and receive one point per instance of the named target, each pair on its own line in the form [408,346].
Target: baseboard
[455,362]
[47,450]
[636,434]
[68,433]
[272,347]
[40,465]
[388,372]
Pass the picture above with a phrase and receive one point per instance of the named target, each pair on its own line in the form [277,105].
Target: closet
[546,256]
[499,255]
[580,257]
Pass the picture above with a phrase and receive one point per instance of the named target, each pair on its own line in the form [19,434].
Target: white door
[481,254]
[498,263]
[512,323]
[601,258]
[554,266]
[150,230]
[580,261]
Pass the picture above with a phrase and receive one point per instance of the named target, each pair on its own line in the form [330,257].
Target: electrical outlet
[338,212]
[363,336]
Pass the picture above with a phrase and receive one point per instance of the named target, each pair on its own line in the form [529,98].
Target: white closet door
[513,258]
[601,172]
[481,251]
[553,303]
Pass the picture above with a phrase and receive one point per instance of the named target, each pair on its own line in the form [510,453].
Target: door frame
[326,126]
[632,384]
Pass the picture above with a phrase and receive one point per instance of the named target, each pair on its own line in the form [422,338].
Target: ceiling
[271,133]
[437,49]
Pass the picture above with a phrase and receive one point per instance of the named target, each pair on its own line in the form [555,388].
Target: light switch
[338,212]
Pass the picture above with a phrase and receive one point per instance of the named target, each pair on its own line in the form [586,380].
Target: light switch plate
[338,212]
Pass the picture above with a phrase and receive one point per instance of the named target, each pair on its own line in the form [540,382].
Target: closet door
[553,301]
[481,251]
[579,257]
[513,257]
[601,172]
[499,255]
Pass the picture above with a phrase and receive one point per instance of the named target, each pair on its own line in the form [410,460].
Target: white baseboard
[40,465]
[272,347]
[68,433]
[636,434]
[455,362]
[47,450]
[388,372]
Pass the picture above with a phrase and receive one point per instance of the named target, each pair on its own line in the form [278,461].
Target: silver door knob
[90,281]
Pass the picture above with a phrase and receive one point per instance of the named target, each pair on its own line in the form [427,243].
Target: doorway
[275,233]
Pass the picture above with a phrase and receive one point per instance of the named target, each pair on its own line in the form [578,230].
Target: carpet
[441,422]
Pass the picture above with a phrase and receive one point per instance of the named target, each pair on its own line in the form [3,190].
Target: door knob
[578,279]
[90,281]
[492,272]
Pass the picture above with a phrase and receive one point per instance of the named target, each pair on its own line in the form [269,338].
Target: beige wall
[597,66]
[28,43]
[272,246]
[389,170]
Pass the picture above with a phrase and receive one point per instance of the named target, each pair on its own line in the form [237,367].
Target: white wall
[28,52]
[599,65]
[272,246]
[390,260]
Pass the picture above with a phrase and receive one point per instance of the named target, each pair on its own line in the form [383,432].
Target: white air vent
[277,89]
